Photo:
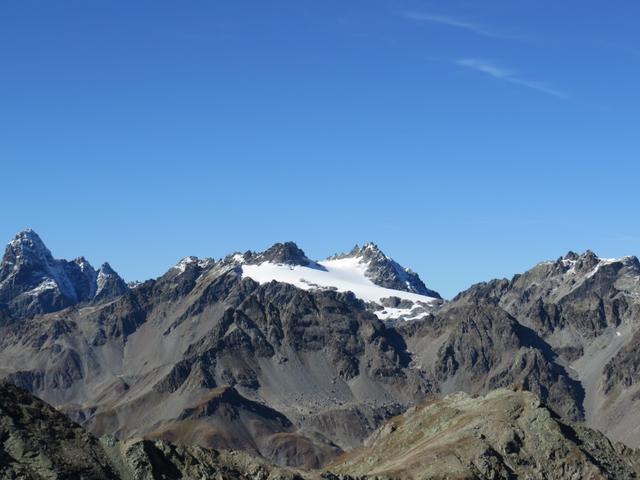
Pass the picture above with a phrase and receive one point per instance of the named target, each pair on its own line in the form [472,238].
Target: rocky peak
[41,442]
[571,256]
[83,263]
[287,253]
[108,283]
[505,434]
[588,262]
[193,262]
[27,248]
[386,272]
[32,281]
[105,269]
[367,252]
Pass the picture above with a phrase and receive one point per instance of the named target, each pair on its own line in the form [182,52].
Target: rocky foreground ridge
[504,435]
[38,442]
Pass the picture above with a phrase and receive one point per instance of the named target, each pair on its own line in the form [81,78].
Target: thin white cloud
[507,75]
[461,24]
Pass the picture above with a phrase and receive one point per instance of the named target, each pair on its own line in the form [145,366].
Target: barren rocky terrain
[503,435]
[299,373]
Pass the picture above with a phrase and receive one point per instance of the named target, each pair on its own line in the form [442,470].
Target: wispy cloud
[461,24]
[508,75]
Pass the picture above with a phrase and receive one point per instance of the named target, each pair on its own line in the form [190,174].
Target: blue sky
[470,140]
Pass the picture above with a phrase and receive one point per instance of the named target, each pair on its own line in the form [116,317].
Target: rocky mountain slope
[299,360]
[586,310]
[506,434]
[38,442]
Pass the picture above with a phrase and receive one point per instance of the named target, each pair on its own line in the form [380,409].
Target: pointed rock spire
[32,281]
[287,253]
[28,248]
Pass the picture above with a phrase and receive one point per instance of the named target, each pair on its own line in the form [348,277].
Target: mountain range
[299,362]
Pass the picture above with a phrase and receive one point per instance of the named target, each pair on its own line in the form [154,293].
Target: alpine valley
[273,365]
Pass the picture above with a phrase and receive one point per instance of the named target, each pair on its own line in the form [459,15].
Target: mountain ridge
[321,359]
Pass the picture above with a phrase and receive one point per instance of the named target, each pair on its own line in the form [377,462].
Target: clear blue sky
[470,140]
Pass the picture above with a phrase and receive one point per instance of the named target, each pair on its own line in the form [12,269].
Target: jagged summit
[28,235]
[366,261]
[32,281]
[108,283]
[588,263]
[359,251]
[26,246]
[591,256]
[571,256]
[287,253]
[386,272]
[192,262]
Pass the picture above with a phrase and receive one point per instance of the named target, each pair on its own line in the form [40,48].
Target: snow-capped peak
[29,269]
[27,246]
[386,272]
[362,271]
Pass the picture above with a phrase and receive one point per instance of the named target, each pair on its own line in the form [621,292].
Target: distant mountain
[33,282]
[390,291]
[300,360]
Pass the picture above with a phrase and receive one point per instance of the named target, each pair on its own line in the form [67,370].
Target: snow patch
[48,284]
